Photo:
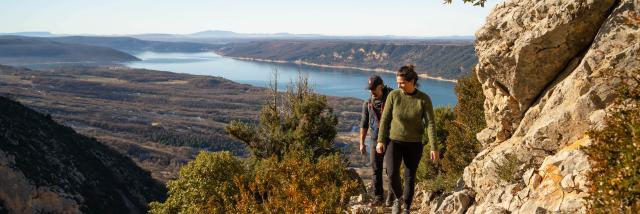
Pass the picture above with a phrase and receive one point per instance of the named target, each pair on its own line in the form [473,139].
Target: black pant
[376,163]
[410,153]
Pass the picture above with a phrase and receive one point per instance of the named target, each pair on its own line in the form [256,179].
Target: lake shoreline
[300,62]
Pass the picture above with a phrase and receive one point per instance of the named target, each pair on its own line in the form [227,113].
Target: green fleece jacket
[405,116]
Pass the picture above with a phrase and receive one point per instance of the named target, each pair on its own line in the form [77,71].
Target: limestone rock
[435,204]
[362,209]
[458,202]
[567,183]
[549,70]
[526,177]
[535,180]
[532,41]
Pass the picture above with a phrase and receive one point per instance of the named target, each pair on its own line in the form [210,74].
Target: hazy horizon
[414,18]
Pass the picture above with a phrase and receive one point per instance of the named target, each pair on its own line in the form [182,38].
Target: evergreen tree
[299,119]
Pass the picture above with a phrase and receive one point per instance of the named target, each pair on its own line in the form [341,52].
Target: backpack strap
[375,114]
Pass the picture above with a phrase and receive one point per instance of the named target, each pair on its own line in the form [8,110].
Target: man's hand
[380,148]
[363,137]
[435,156]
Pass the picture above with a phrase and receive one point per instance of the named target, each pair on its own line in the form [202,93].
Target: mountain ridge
[19,50]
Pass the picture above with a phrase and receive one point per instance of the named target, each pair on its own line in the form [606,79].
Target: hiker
[370,120]
[406,114]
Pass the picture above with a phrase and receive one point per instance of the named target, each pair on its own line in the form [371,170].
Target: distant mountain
[49,168]
[445,59]
[215,33]
[231,34]
[131,44]
[31,34]
[18,50]
[224,37]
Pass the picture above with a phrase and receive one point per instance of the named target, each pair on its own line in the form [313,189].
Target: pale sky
[328,17]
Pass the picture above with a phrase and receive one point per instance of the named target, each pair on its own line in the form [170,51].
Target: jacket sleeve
[385,120]
[364,116]
[431,124]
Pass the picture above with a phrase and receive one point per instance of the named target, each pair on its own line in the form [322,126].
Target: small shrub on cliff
[458,132]
[508,168]
[615,156]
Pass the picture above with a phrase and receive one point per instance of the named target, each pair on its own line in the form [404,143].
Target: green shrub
[615,156]
[508,168]
[427,169]
[204,185]
[298,118]
[457,130]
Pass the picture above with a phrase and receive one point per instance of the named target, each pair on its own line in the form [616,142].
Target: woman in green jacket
[407,113]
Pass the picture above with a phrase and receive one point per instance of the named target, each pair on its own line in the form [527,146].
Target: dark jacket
[371,113]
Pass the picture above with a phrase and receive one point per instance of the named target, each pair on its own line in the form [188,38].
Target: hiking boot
[396,207]
[389,200]
[377,201]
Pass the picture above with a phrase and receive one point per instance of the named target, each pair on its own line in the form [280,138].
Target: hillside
[17,50]
[130,44]
[449,60]
[49,168]
[159,119]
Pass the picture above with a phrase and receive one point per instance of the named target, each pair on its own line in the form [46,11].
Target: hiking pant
[410,153]
[376,163]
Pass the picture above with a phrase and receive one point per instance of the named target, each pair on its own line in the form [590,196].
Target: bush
[295,184]
[508,168]
[615,156]
[427,169]
[205,185]
[299,118]
[457,130]
[293,169]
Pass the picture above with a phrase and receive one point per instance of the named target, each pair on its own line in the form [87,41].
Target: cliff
[448,60]
[549,71]
[49,168]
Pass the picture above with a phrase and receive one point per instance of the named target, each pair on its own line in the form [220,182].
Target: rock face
[549,69]
[49,168]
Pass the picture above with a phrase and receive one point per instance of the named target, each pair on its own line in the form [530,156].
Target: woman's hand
[435,156]
[380,148]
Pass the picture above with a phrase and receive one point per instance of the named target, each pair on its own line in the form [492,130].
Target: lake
[328,81]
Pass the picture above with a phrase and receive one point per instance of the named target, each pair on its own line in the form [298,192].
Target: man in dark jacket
[370,119]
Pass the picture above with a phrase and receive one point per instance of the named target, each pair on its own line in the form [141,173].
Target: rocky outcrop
[49,168]
[549,69]
[524,46]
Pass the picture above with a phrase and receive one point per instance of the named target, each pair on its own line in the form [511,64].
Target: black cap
[374,81]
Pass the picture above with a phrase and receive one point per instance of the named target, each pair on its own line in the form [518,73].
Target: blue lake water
[328,81]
